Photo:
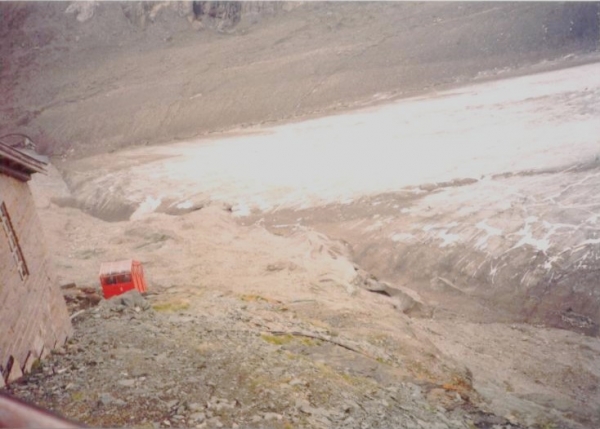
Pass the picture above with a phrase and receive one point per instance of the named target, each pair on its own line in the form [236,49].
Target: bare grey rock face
[198,417]
[129,300]
[83,11]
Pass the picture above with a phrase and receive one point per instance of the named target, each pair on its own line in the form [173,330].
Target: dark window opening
[13,242]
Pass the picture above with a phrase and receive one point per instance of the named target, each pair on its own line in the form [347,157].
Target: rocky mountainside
[430,262]
[94,76]
[135,367]
[244,328]
[456,253]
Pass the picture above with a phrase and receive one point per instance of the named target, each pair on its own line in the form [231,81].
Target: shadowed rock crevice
[219,10]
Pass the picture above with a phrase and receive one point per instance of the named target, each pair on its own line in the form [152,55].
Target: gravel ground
[166,367]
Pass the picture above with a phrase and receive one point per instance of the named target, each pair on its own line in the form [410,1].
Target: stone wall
[33,313]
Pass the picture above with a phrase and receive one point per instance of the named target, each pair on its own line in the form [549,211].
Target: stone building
[33,313]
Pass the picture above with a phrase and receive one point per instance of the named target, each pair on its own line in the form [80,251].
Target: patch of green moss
[77,396]
[36,365]
[253,298]
[171,307]
[310,342]
[356,381]
[278,340]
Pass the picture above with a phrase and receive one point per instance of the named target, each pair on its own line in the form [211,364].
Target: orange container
[121,276]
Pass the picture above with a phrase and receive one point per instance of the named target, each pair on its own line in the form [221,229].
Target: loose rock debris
[129,365]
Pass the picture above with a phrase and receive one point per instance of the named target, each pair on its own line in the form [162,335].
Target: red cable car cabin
[121,276]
